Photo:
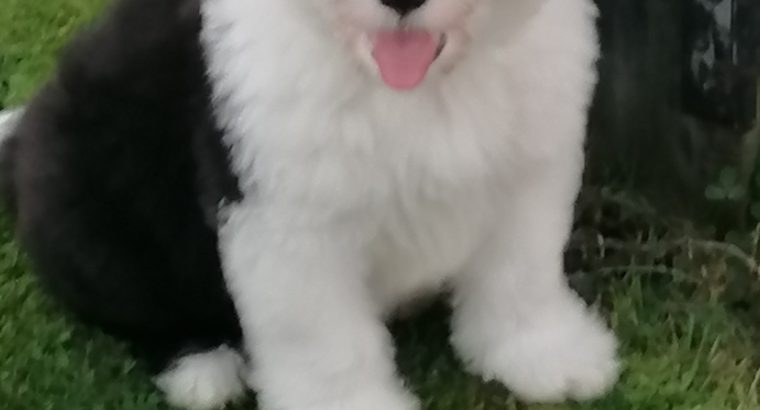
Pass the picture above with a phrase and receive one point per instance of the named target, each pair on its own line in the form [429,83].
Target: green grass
[682,347]
[30,34]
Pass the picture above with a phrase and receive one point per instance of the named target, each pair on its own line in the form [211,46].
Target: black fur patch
[115,173]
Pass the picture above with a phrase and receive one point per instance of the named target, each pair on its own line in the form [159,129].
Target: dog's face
[402,41]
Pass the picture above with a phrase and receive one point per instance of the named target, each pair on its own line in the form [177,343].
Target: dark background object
[676,99]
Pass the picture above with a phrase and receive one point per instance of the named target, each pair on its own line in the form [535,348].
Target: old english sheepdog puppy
[246,189]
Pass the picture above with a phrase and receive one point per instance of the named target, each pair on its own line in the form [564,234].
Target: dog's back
[100,174]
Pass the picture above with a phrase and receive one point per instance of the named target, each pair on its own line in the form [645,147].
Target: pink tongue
[404,57]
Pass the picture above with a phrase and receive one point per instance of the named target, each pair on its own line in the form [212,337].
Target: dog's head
[403,41]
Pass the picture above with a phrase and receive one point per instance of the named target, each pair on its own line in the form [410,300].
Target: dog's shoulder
[130,102]
[144,49]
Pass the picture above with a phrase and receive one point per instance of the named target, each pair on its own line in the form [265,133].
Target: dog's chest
[418,183]
[424,190]
[422,242]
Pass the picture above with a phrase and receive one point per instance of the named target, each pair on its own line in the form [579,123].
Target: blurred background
[677,105]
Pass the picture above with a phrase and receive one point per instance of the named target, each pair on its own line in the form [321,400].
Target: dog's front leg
[516,320]
[315,338]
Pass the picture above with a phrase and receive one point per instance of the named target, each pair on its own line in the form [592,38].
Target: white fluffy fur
[7,122]
[360,198]
[203,381]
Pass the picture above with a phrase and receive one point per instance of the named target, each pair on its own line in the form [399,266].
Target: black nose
[403,7]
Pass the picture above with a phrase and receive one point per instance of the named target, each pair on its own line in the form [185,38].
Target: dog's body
[333,176]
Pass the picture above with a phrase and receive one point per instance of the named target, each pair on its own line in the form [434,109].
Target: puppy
[246,189]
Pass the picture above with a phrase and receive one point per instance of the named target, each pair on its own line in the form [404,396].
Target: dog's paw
[571,356]
[203,381]
[371,398]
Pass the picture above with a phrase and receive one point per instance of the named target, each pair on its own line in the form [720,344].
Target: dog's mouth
[404,56]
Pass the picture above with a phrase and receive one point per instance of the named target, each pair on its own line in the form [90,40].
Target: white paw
[372,398]
[568,354]
[203,381]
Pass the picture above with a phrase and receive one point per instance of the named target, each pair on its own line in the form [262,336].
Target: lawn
[683,305]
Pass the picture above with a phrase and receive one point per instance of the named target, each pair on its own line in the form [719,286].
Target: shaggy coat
[246,189]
